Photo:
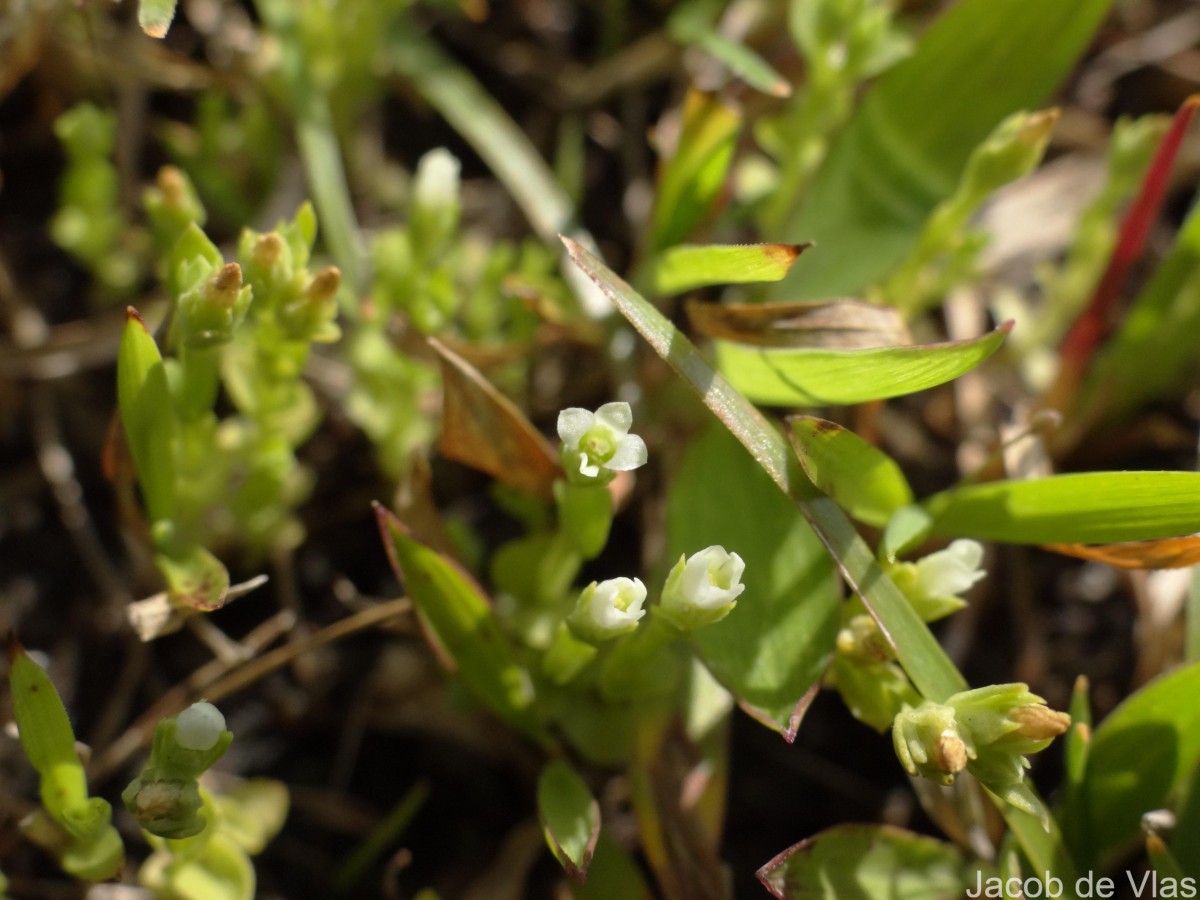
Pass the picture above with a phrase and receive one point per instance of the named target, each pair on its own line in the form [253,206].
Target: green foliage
[570,818]
[74,827]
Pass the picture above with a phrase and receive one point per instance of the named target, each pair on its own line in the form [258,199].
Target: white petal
[631,453]
[617,416]
[199,726]
[573,424]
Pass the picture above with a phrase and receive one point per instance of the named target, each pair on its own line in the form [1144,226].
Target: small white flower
[608,609]
[437,181]
[703,587]
[199,726]
[592,441]
[952,571]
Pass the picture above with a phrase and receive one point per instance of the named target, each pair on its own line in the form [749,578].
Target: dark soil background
[353,724]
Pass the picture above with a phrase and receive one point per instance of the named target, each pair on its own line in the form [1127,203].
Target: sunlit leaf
[834,324]
[485,430]
[691,180]
[462,627]
[570,818]
[864,480]
[147,416]
[812,377]
[1138,756]
[772,650]
[1085,508]
[908,142]
[868,862]
[689,266]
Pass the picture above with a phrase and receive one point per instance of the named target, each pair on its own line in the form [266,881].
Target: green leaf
[906,529]
[147,416]
[462,627]
[42,723]
[744,63]
[772,650]
[819,377]
[1139,756]
[613,873]
[868,862]
[1086,508]
[692,178]
[689,266]
[910,139]
[155,16]
[864,480]
[570,818]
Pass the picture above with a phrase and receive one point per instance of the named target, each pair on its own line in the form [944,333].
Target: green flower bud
[703,588]
[608,609]
[989,730]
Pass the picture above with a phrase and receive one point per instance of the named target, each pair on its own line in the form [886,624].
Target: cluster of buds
[988,732]
[165,797]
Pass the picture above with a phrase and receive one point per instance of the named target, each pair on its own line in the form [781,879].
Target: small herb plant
[597,610]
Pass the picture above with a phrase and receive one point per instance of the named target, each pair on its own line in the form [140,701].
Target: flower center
[598,445]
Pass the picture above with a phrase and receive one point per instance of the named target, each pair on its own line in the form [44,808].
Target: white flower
[199,726]
[592,441]
[933,584]
[608,609]
[952,571]
[437,181]
[703,587]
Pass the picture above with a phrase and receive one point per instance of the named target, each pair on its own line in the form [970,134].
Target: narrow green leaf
[689,266]
[819,377]
[691,180]
[1086,508]
[864,480]
[773,649]
[868,862]
[907,144]
[613,873]
[570,818]
[1139,756]
[147,416]
[42,723]
[460,623]
[155,16]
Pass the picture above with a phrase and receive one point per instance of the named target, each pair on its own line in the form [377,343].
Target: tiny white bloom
[592,441]
[199,726]
[437,181]
[703,587]
[608,609]
[950,572]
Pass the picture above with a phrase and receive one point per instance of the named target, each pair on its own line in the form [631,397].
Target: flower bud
[224,288]
[608,609]
[599,440]
[928,742]
[703,588]
[199,727]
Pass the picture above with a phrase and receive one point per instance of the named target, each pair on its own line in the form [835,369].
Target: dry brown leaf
[485,430]
[1166,553]
[839,324]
